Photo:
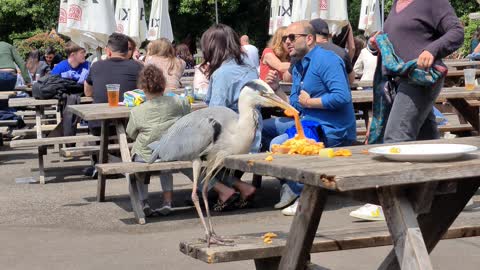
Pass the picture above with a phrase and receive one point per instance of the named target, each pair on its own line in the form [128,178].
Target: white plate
[424,152]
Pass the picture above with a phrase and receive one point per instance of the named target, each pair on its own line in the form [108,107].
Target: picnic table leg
[403,226]
[443,212]
[132,185]
[303,228]
[103,158]
[41,150]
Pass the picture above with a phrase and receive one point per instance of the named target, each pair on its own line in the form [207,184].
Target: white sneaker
[370,212]
[165,210]
[286,197]
[291,210]
[471,206]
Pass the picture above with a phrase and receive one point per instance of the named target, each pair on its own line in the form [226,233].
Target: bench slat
[445,128]
[8,123]
[45,129]
[81,151]
[133,167]
[53,141]
[250,247]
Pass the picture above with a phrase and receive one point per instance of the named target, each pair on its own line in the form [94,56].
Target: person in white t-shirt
[252,51]
[365,65]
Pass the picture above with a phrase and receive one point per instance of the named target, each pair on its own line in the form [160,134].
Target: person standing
[425,32]
[250,50]
[9,60]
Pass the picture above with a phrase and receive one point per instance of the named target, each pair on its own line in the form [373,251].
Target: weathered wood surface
[360,171]
[4,95]
[361,235]
[4,123]
[303,228]
[464,64]
[80,151]
[403,226]
[45,129]
[101,111]
[459,73]
[446,93]
[53,141]
[133,167]
[24,102]
[32,113]
[448,127]
[356,84]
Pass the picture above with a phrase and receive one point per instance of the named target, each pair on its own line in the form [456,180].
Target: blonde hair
[163,48]
[276,44]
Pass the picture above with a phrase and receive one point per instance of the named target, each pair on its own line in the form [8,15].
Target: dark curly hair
[151,80]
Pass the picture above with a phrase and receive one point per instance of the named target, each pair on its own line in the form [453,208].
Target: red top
[264,68]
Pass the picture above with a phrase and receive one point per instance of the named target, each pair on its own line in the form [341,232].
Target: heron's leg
[213,237]
[197,166]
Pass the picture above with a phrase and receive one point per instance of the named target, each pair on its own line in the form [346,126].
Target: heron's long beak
[278,102]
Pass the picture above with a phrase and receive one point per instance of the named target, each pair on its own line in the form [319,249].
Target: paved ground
[60,226]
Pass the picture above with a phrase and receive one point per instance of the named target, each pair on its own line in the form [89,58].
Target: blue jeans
[7,81]
[273,128]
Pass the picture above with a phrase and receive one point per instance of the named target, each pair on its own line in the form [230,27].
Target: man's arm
[87,89]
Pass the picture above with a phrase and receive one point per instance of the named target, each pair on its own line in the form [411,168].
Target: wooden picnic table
[420,200]
[116,116]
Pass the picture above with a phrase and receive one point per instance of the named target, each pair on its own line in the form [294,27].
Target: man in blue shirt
[320,92]
[74,67]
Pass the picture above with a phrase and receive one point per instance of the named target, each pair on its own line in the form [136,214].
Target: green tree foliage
[20,16]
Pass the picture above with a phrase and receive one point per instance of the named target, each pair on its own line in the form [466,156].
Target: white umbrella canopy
[159,24]
[301,10]
[370,17]
[280,15]
[130,17]
[334,12]
[89,23]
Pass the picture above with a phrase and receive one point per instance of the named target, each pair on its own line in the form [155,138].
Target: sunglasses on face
[292,37]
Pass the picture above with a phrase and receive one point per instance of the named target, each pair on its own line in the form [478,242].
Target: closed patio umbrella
[130,18]
[370,17]
[159,24]
[280,15]
[334,12]
[88,23]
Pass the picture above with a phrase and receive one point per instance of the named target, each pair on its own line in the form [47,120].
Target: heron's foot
[226,240]
[217,240]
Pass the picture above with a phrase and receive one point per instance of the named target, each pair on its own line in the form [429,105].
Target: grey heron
[210,135]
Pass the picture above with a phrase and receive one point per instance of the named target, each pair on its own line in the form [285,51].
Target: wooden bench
[80,151]
[42,143]
[45,129]
[3,131]
[8,123]
[267,256]
[134,167]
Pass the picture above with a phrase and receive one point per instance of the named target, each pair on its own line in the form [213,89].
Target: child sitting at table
[147,123]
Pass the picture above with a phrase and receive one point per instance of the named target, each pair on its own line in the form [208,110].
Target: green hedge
[40,42]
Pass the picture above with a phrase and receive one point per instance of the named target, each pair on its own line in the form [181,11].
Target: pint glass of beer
[469,74]
[113,93]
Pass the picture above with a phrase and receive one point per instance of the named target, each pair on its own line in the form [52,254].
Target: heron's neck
[247,121]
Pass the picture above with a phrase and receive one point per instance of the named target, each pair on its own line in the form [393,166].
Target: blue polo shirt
[79,74]
[321,73]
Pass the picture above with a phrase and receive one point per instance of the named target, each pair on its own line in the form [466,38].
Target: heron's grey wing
[186,140]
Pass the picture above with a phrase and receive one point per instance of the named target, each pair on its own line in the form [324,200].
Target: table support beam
[303,228]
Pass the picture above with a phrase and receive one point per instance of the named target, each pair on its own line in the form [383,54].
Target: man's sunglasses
[292,37]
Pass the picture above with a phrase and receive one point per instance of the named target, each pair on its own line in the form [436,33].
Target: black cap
[320,27]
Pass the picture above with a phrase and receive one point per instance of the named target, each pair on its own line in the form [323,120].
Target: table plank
[360,171]
[24,102]
[455,64]
[101,111]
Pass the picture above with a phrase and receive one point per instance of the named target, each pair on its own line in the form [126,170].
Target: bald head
[301,38]
[244,40]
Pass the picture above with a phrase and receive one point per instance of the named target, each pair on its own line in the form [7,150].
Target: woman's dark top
[430,25]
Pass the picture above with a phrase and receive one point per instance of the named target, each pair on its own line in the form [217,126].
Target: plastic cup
[469,74]
[113,94]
